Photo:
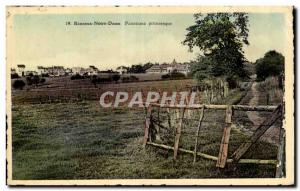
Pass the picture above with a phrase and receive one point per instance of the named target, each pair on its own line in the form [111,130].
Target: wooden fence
[222,158]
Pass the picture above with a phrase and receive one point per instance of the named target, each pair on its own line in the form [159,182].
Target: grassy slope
[84,141]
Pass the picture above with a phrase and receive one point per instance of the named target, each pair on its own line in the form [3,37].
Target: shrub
[115,77]
[43,80]
[77,77]
[272,64]
[129,79]
[18,84]
[125,79]
[13,76]
[165,76]
[35,79]
[232,82]
[134,78]
[173,76]
[28,81]
[45,75]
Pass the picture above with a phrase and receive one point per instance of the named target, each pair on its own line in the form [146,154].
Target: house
[30,73]
[51,71]
[76,70]
[154,69]
[122,69]
[42,70]
[92,70]
[21,70]
[68,71]
[169,68]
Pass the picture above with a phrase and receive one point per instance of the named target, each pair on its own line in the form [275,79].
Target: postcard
[156,95]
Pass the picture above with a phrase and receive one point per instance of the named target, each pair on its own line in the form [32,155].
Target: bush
[13,76]
[34,80]
[272,64]
[77,77]
[129,79]
[232,82]
[18,84]
[96,80]
[134,78]
[43,80]
[115,77]
[28,81]
[173,76]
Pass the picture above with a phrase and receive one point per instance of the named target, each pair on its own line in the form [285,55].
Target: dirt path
[254,115]
[272,134]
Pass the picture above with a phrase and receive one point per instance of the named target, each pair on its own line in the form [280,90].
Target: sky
[46,40]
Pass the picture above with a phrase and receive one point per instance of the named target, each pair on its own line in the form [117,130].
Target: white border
[104,2]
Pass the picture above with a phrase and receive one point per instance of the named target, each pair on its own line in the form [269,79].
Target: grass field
[83,141]
[61,132]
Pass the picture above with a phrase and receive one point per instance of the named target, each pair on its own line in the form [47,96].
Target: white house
[21,70]
[169,68]
[122,70]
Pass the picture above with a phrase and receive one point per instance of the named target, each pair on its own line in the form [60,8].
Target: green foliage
[33,80]
[272,64]
[115,77]
[43,80]
[173,76]
[77,77]
[232,82]
[201,68]
[18,84]
[220,36]
[15,75]
[129,79]
[92,143]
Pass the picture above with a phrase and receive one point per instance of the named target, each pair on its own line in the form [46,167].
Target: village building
[51,71]
[122,70]
[68,71]
[169,68]
[30,73]
[92,70]
[21,70]
[42,70]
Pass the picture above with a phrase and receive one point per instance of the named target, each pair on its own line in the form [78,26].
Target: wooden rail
[210,157]
[222,158]
[218,107]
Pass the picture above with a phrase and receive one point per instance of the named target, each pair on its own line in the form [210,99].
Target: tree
[220,37]
[15,75]
[201,68]
[272,64]
[18,84]
[136,69]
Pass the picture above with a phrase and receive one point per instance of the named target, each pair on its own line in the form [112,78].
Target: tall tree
[220,37]
[272,64]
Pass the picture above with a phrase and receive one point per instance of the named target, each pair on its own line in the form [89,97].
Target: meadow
[80,140]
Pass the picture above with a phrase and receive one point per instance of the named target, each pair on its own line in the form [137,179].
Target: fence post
[157,136]
[222,158]
[178,133]
[197,133]
[147,124]
[281,151]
